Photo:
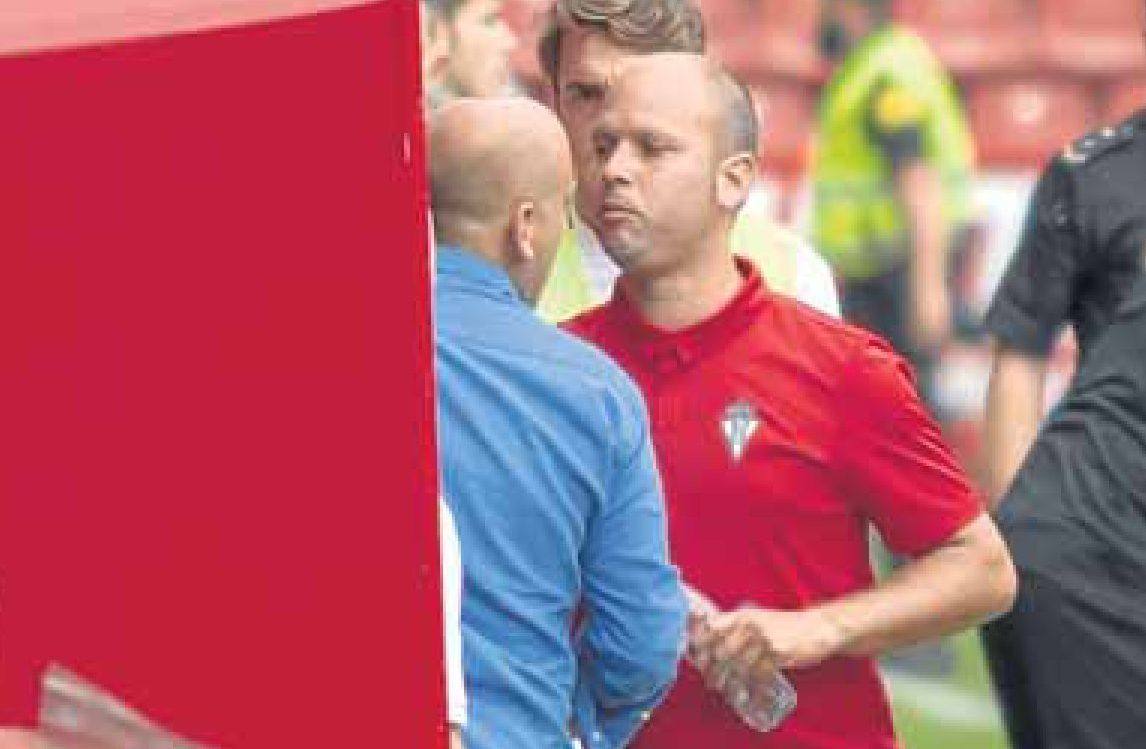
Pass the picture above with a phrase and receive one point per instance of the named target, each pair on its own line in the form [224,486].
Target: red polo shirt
[781,435]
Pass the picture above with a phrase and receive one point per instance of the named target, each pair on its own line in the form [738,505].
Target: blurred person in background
[582,46]
[891,175]
[1082,250]
[465,53]
[465,49]
[783,434]
[1074,674]
[546,457]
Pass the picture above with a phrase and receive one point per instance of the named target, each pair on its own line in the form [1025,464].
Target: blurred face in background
[648,186]
[477,43]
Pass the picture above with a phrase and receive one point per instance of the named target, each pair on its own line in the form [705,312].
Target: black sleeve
[895,119]
[1038,290]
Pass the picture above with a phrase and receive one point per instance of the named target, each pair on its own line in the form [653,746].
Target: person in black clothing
[1075,520]
[1081,252]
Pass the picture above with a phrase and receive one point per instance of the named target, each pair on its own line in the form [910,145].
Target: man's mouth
[614,210]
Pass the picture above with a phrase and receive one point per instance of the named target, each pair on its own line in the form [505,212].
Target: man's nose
[620,164]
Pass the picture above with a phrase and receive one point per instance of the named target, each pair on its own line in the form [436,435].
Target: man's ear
[734,181]
[523,232]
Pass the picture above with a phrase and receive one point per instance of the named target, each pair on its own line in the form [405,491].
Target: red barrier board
[217,467]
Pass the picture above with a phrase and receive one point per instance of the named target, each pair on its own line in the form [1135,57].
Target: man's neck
[687,296]
[474,240]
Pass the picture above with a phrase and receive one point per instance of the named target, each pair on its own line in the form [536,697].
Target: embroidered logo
[739,423]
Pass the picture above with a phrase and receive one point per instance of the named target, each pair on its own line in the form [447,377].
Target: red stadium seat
[722,17]
[972,37]
[769,39]
[1093,37]
[1021,122]
[786,107]
[1123,99]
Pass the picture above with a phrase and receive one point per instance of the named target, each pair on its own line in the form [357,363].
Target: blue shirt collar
[459,267]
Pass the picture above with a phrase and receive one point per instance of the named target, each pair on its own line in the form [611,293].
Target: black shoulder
[1104,142]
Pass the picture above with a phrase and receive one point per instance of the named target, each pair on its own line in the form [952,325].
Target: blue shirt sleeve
[633,632]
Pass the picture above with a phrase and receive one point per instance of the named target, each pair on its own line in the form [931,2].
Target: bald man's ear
[734,181]
[523,233]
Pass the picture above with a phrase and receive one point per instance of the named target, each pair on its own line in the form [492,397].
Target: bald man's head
[500,175]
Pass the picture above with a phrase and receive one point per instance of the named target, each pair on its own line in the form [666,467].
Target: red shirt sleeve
[898,468]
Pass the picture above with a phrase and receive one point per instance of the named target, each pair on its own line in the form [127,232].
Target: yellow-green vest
[771,248]
[566,293]
[858,221]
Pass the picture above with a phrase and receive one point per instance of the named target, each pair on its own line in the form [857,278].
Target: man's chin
[626,255]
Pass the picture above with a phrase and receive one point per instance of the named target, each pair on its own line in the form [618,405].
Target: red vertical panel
[217,470]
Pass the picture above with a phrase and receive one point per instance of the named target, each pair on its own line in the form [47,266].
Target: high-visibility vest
[772,249]
[858,220]
[566,293]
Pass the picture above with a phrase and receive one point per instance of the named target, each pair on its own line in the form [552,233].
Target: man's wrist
[837,634]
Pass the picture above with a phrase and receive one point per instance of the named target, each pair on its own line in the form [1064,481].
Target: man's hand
[756,643]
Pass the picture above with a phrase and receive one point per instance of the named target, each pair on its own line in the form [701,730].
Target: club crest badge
[739,423]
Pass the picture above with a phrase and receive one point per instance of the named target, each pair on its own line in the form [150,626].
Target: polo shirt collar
[459,268]
[664,351]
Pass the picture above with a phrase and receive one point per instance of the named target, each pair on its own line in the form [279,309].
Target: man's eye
[583,91]
[604,143]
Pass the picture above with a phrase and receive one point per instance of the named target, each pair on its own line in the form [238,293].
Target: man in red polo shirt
[782,435]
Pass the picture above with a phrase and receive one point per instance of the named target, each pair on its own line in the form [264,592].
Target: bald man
[783,435]
[546,457]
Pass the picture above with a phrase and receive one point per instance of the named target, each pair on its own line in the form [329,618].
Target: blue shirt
[547,464]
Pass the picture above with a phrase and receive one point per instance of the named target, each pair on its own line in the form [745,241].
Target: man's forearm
[1014,412]
[947,590]
[920,191]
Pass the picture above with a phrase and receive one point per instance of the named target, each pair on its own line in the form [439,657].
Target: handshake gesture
[741,654]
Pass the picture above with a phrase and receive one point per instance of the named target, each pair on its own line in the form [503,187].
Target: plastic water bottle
[761,709]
